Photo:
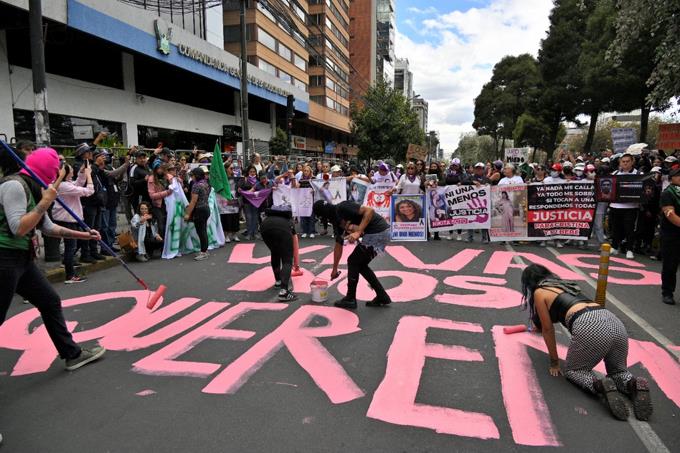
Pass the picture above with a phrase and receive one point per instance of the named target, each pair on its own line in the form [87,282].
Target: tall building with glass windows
[403,78]
[372,36]
[306,44]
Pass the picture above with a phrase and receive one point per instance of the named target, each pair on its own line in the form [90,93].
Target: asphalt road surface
[220,365]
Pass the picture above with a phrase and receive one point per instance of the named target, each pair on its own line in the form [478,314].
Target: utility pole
[42,122]
[244,86]
[290,114]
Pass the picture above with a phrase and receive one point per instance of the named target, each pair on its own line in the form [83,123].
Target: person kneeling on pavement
[596,335]
[23,205]
[148,236]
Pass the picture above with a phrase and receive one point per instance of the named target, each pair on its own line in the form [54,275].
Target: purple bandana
[258,197]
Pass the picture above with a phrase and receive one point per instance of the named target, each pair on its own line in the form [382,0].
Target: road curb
[58,274]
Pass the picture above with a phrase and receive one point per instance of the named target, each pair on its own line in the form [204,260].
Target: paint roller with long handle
[155,297]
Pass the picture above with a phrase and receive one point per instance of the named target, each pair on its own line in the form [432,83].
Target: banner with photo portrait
[508,213]
[560,211]
[281,197]
[408,213]
[622,188]
[459,207]
[379,197]
[332,190]
[357,190]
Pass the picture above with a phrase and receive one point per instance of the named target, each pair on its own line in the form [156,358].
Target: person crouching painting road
[277,232]
[596,335]
[358,222]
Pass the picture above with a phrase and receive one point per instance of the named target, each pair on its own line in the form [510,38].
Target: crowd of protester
[97,183]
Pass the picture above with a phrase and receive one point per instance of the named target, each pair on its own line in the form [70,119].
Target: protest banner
[281,197]
[408,218]
[623,137]
[517,156]
[560,211]
[508,212]
[416,152]
[357,190]
[459,207]
[669,137]
[378,197]
[332,190]
[302,201]
[621,188]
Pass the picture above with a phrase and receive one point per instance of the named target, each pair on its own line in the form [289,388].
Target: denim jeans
[307,224]
[252,215]
[69,249]
[109,223]
[20,275]
[92,217]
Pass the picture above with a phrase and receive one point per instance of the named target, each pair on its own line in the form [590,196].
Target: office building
[149,77]
[305,44]
[372,36]
[419,105]
[403,78]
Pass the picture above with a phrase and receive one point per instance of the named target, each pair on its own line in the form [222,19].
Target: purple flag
[258,197]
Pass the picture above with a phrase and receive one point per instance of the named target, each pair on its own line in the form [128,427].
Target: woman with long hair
[158,186]
[596,335]
[251,211]
[507,211]
[407,211]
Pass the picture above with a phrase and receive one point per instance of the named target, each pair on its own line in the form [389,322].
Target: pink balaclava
[45,163]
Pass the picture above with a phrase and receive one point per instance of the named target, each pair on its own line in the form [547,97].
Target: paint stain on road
[308,420]
[309,260]
[580,410]
[145,393]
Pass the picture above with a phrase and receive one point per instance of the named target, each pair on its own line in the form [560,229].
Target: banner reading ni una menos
[560,211]
[408,218]
[459,207]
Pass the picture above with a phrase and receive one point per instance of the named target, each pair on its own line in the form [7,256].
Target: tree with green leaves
[278,144]
[658,19]
[475,148]
[513,89]
[561,96]
[384,124]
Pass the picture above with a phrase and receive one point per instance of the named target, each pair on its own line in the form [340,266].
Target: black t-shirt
[348,211]
[667,228]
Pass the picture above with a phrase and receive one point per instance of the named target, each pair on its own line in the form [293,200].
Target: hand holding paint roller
[51,194]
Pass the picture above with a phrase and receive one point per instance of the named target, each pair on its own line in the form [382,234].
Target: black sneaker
[668,299]
[86,356]
[638,389]
[87,259]
[379,301]
[346,303]
[98,257]
[286,296]
[611,398]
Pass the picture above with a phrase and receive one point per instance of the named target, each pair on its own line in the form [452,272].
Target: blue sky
[452,46]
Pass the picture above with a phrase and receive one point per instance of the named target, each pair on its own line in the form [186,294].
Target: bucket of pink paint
[319,290]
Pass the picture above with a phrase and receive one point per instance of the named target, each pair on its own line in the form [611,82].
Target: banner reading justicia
[560,211]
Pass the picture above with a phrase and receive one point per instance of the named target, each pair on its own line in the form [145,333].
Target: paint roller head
[155,297]
[514,329]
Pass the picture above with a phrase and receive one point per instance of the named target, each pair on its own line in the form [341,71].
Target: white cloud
[458,54]
[428,10]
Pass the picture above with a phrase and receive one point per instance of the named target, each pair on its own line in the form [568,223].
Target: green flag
[218,176]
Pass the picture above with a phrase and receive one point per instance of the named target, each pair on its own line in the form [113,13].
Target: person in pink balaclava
[23,205]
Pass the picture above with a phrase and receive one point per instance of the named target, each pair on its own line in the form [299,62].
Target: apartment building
[305,44]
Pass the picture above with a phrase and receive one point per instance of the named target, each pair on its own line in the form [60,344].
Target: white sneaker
[201,256]
[236,239]
[303,235]
[459,238]
[227,239]
[311,236]
[559,245]
[613,251]
[629,255]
